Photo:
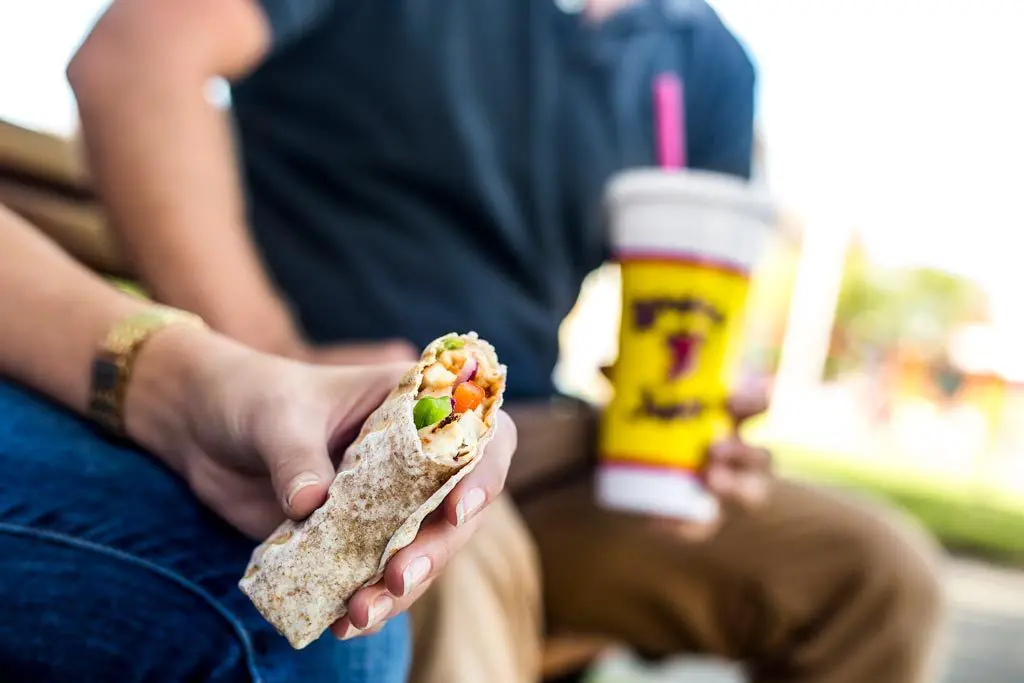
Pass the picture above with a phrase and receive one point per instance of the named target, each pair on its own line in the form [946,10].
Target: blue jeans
[110,570]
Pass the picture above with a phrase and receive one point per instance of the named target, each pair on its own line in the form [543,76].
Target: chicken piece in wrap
[412,451]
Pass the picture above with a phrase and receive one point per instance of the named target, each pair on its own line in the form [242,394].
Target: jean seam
[57,538]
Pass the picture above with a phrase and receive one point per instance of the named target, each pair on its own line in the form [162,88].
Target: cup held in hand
[686,242]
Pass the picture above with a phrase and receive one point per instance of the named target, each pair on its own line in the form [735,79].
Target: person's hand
[735,471]
[258,438]
[411,571]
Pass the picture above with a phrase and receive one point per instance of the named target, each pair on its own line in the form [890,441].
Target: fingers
[746,404]
[408,573]
[296,444]
[426,557]
[738,472]
[301,484]
[301,476]
[743,488]
[377,380]
[413,568]
[353,393]
[371,606]
[736,454]
[299,464]
[345,630]
[487,480]
[411,571]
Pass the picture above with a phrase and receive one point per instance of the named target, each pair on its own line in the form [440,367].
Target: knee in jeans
[79,606]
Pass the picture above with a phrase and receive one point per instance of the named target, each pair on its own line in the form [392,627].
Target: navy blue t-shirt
[415,167]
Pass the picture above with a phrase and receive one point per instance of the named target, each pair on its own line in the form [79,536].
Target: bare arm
[163,159]
[54,315]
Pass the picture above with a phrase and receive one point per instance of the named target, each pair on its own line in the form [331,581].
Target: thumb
[298,452]
[300,468]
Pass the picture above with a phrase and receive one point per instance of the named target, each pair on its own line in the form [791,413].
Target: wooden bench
[43,178]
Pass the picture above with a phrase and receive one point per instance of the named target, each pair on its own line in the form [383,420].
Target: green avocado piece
[430,410]
[454,343]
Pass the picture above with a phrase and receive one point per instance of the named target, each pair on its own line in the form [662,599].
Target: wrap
[391,477]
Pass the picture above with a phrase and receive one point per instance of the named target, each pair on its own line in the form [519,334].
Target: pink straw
[669,121]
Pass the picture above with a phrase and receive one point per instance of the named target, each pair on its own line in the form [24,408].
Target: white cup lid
[690,187]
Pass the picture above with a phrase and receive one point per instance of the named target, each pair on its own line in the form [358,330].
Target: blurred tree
[882,309]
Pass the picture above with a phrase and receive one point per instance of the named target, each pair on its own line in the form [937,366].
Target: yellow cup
[686,242]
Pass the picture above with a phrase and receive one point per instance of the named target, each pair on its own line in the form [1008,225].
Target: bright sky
[904,118]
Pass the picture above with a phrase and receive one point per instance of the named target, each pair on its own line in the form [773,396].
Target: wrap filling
[454,396]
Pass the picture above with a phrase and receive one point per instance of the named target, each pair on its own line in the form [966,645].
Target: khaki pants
[812,588]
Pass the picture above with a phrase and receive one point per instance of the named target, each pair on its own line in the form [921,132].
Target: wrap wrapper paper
[301,578]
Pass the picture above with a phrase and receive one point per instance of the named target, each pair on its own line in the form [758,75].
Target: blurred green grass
[965,515]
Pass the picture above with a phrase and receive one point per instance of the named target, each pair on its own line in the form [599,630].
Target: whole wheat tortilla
[301,578]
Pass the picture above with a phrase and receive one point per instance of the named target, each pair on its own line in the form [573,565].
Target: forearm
[54,316]
[163,162]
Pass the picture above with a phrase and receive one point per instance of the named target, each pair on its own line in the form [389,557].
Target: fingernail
[376,629]
[469,505]
[349,633]
[380,608]
[414,574]
[298,483]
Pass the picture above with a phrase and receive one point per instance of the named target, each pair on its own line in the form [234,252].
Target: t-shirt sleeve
[722,134]
[291,19]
